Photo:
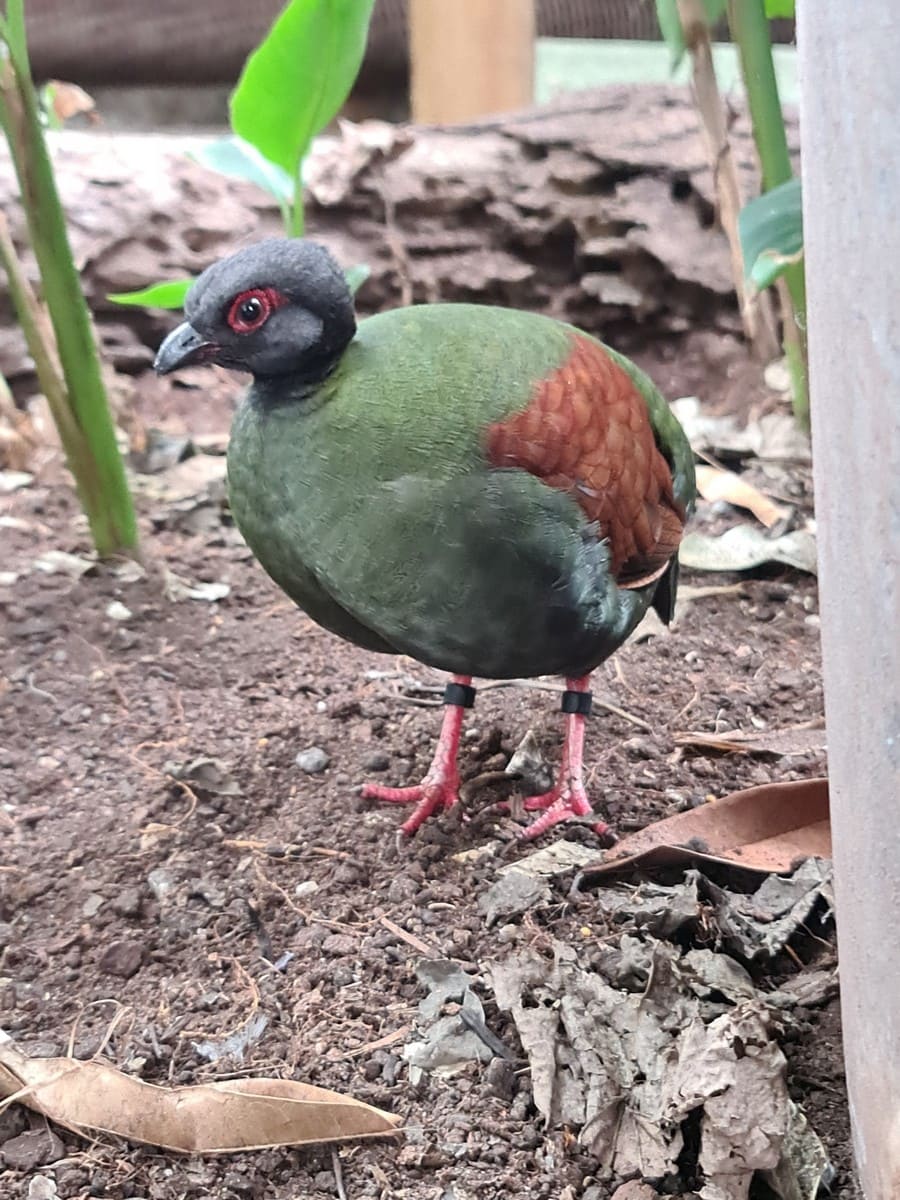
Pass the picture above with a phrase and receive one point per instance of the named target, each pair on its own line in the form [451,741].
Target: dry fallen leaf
[768,828]
[745,547]
[176,588]
[210,1118]
[758,926]
[625,1049]
[774,437]
[714,484]
[752,925]
[208,776]
[68,100]
[58,562]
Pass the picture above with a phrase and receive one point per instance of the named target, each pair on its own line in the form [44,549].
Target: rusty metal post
[850,95]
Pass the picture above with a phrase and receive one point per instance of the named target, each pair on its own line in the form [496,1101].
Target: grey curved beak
[182,347]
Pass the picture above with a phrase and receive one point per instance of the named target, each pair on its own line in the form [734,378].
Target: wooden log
[601,213]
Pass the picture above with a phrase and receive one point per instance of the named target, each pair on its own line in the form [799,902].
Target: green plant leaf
[14,29]
[48,112]
[169,294]
[72,381]
[236,158]
[295,82]
[357,276]
[671,29]
[771,230]
[780,8]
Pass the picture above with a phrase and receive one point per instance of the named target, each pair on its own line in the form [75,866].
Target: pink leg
[440,787]
[567,798]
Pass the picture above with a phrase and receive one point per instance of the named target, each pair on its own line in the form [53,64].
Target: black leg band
[459,694]
[577,702]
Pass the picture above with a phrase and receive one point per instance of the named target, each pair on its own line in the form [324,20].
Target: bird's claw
[566,800]
[428,796]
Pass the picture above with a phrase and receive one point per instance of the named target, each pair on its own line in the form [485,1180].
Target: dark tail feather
[666,589]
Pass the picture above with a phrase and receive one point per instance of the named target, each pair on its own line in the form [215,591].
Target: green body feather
[370,502]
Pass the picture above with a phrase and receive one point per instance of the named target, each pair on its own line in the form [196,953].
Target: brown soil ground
[93,831]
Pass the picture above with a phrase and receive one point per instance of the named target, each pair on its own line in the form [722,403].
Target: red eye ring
[250,310]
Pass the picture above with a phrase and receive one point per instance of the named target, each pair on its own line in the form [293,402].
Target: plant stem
[42,347]
[795,354]
[96,462]
[756,310]
[750,30]
[297,222]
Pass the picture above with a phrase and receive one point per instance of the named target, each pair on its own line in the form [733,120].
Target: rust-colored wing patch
[586,431]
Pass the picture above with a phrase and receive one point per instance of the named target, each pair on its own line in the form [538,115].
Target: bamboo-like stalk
[41,345]
[17,436]
[92,451]
[750,30]
[756,311]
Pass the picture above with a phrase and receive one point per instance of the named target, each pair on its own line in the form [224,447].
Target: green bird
[489,491]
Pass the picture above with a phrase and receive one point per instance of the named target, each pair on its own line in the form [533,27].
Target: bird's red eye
[250,310]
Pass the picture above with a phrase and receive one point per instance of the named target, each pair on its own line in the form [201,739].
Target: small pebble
[376,761]
[237,1181]
[128,902]
[339,944]
[122,958]
[42,1187]
[117,611]
[12,1122]
[501,1078]
[306,887]
[31,1149]
[313,761]
[161,883]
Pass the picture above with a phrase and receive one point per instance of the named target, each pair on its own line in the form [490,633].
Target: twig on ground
[338,1173]
[409,938]
[687,708]
[490,1039]
[382,1043]
[338,926]
[243,976]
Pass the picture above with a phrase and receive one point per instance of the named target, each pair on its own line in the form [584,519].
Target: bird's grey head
[279,307]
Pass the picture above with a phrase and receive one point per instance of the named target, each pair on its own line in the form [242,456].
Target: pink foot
[567,798]
[432,794]
[440,787]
